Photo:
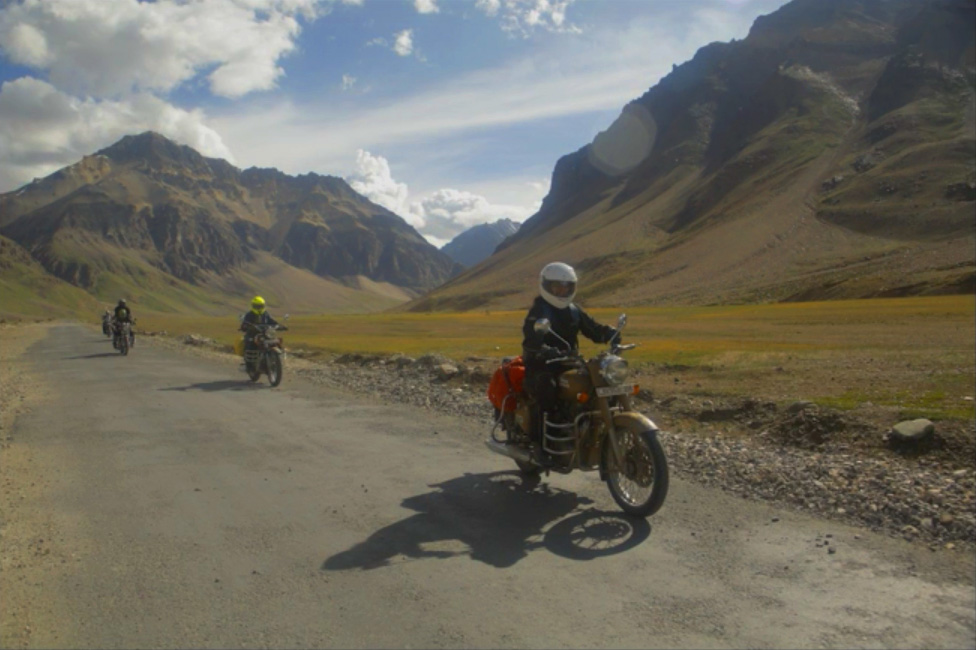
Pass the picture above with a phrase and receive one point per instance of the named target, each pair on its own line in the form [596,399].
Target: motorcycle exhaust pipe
[505,449]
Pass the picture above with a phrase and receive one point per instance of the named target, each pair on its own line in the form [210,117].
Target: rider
[258,315]
[557,287]
[106,320]
[124,315]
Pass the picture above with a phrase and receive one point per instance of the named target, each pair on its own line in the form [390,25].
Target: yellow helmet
[257,305]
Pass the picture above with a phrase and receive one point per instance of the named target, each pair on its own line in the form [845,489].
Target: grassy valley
[910,355]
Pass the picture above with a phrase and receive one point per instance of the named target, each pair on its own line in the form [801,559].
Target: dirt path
[177,505]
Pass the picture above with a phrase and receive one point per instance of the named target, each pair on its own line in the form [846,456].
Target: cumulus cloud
[426,6]
[111,47]
[106,66]
[374,180]
[348,81]
[403,42]
[439,216]
[43,129]
[522,17]
[447,213]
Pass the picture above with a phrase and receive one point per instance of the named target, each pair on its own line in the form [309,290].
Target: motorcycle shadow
[224,384]
[92,356]
[499,517]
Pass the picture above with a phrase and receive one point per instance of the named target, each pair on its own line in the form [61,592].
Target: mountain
[478,242]
[31,292]
[149,217]
[829,154]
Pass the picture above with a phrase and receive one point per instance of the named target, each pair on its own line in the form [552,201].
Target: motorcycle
[594,427]
[107,327]
[122,340]
[267,354]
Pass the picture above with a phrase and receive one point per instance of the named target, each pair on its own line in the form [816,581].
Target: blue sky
[449,112]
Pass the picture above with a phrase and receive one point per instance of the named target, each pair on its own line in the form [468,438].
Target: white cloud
[439,216]
[522,17]
[426,6]
[43,129]
[112,47]
[403,42]
[374,180]
[348,81]
[447,213]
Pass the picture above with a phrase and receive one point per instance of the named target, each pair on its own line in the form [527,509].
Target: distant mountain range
[830,154]
[477,243]
[155,220]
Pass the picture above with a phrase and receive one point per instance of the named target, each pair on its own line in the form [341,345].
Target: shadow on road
[94,356]
[499,517]
[224,384]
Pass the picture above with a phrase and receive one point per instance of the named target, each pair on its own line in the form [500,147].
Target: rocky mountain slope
[479,242]
[150,216]
[830,154]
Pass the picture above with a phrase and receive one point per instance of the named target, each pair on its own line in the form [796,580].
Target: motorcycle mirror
[621,321]
[542,326]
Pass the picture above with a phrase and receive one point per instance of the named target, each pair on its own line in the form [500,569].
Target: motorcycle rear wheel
[274,367]
[640,487]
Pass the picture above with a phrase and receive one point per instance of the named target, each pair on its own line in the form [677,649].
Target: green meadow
[916,354]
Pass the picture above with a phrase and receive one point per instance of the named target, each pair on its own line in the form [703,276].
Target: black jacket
[250,318]
[123,314]
[567,323]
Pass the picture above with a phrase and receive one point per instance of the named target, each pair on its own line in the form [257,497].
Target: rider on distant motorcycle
[557,287]
[106,322]
[258,315]
[124,315]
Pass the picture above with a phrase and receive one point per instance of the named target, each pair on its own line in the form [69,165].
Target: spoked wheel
[274,367]
[640,486]
[253,370]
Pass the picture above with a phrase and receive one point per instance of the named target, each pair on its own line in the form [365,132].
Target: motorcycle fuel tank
[572,383]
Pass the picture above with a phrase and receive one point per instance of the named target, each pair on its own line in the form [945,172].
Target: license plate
[607,391]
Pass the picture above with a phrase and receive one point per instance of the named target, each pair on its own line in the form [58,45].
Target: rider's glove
[548,353]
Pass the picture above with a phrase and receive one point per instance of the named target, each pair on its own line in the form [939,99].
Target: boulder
[912,431]
[196,339]
[801,405]
[446,371]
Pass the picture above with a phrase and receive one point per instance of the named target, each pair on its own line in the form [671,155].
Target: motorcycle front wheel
[124,345]
[253,372]
[640,486]
[274,367]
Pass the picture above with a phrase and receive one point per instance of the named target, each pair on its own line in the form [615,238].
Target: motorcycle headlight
[615,370]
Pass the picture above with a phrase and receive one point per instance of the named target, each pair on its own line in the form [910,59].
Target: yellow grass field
[913,353]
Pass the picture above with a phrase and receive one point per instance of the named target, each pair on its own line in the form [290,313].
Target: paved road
[182,506]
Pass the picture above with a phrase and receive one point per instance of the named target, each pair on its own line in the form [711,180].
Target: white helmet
[557,284]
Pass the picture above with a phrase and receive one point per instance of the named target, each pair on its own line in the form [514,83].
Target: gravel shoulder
[804,457]
[24,531]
